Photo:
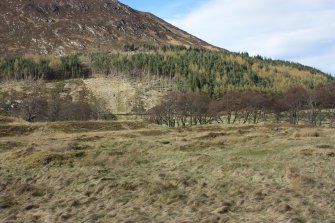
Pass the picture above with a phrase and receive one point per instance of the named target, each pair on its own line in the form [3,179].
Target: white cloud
[298,30]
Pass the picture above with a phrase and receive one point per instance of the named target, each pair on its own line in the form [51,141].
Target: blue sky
[165,9]
[296,30]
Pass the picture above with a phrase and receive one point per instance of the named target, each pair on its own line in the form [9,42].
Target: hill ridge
[61,27]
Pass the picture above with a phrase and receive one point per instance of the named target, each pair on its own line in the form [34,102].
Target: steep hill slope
[58,26]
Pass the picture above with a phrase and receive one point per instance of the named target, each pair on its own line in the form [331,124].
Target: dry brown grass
[90,126]
[132,172]
[5,119]
[9,145]
[307,132]
[16,130]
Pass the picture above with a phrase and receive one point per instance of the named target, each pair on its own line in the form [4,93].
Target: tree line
[21,68]
[188,69]
[39,108]
[295,106]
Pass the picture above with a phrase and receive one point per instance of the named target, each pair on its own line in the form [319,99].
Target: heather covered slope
[135,172]
[58,27]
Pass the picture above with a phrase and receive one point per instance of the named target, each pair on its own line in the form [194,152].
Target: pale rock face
[123,96]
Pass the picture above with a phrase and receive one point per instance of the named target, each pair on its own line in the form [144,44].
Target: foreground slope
[134,172]
[47,27]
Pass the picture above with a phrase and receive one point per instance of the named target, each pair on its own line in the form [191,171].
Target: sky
[296,30]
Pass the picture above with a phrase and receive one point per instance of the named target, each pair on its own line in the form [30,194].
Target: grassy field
[136,172]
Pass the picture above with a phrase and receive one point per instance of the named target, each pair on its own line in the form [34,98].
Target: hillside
[170,66]
[107,37]
[59,27]
[210,72]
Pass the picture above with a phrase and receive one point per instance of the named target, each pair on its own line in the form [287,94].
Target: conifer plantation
[190,69]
